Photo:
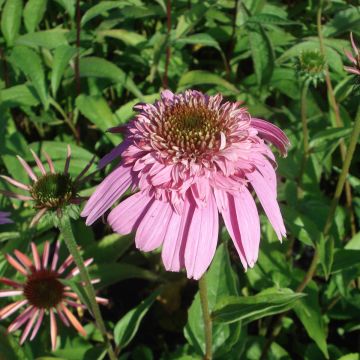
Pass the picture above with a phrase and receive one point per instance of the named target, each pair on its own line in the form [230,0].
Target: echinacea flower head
[51,191]
[192,156]
[311,66]
[42,292]
[4,218]
[353,57]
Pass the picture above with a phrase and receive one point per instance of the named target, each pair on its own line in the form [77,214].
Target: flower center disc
[53,190]
[43,289]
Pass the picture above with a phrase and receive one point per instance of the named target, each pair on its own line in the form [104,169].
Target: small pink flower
[354,58]
[4,218]
[192,156]
[42,292]
[52,190]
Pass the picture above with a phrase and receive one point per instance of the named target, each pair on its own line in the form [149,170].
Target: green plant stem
[329,221]
[207,319]
[168,46]
[305,130]
[338,120]
[67,233]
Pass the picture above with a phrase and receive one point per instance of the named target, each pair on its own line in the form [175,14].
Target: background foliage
[72,69]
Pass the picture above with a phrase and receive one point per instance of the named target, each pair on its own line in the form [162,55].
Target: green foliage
[66,79]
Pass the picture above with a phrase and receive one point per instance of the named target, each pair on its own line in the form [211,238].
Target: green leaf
[62,57]
[247,309]
[101,68]
[309,312]
[11,20]
[127,327]
[345,259]
[270,19]
[326,254]
[19,95]
[99,9]
[262,53]
[49,39]
[29,62]
[199,39]
[201,77]
[221,281]
[343,21]
[128,37]
[33,13]
[189,19]
[96,109]
[324,139]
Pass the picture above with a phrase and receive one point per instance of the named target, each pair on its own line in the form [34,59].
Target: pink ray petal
[38,162]
[201,239]
[65,264]
[79,178]
[157,217]
[21,319]
[15,196]
[67,162]
[29,326]
[37,217]
[352,70]
[15,264]
[102,300]
[45,255]
[350,56]
[62,317]
[53,330]
[6,293]
[267,197]
[175,239]
[10,282]
[76,270]
[56,256]
[38,324]
[11,308]
[107,193]
[49,161]
[125,217]
[27,168]
[74,304]
[24,259]
[73,320]
[15,183]
[356,50]
[113,154]
[36,256]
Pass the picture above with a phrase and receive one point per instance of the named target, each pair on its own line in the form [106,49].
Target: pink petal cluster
[192,156]
[4,218]
[42,293]
[354,58]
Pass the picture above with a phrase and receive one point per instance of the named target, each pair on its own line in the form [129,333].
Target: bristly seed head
[53,191]
[43,289]
[189,130]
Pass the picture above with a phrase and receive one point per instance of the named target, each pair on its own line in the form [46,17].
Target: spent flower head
[190,156]
[42,292]
[52,192]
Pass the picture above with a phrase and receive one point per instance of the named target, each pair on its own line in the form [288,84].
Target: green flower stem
[206,315]
[305,129]
[67,233]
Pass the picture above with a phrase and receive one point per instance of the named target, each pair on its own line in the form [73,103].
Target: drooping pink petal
[201,239]
[267,197]
[55,256]
[38,324]
[62,317]
[24,259]
[10,282]
[45,255]
[21,319]
[29,326]
[37,217]
[36,256]
[126,216]
[67,161]
[356,50]
[49,161]
[175,238]
[53,330]
[352,70]
[113,154]
[11,308]
[7,293]
[15,264]
[27,168]
[107,193]
[151,231]
[271,133]
[38,162]
[73,320]
[15,182]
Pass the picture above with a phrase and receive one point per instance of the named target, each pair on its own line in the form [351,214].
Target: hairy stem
[305,130]
[77,58]
[67,233]
[338,120]
[206,315]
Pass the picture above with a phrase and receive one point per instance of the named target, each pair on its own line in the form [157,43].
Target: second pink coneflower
[42,292]
[191,156]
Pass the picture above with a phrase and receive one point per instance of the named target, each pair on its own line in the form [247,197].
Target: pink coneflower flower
[354,58]
[191,156]
[51,190]
[4,218]
[42,292]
